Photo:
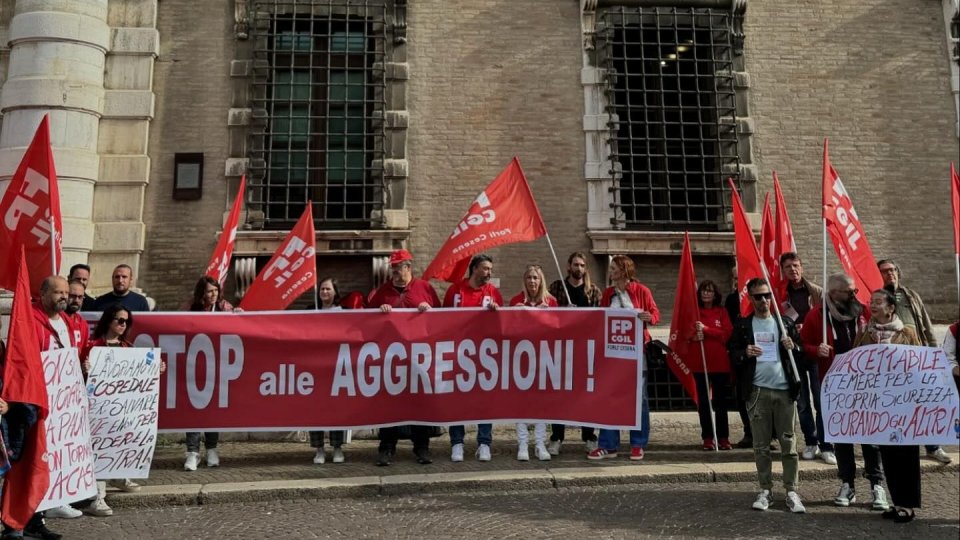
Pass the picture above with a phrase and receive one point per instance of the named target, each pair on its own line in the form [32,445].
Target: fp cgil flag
[748,257]
[686,312]
[30,202]
[503,213]
[291,272]
[846,232]
[220,261]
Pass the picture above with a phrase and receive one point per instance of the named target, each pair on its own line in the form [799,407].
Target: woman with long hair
[208,296]
[533,295]
[713,330]
[328,295]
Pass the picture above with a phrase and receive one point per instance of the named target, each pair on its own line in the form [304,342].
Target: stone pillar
[55,67]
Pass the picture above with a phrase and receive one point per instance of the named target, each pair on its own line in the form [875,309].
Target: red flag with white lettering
[504,213]
[686,313]
[28,204]
[291,272]
[768,244]
[219,263]
[847,234]
[748,257]
[24,382]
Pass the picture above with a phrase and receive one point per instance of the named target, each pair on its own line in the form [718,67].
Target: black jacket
[745,366]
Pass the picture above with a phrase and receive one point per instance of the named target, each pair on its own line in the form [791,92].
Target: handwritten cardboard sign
[69,456]
[891,395]
[123,386]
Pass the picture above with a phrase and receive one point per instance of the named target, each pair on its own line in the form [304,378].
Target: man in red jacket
[77,294]
[53,326]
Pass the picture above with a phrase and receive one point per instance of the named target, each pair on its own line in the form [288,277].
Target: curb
[418,484]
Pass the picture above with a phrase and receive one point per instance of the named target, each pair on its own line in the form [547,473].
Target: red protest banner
[504,213]
[291,272]
[219,263]
[364,368]
[684,351]
[748,257]
[784,230]
[28,204]
[768,244]
[846,232]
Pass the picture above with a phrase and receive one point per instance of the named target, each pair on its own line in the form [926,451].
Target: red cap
[399,256]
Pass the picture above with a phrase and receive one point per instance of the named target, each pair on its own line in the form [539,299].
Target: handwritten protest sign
[69,456]
[123,386]
[892,395]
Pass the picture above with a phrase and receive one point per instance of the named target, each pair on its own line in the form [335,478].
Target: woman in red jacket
[713,329]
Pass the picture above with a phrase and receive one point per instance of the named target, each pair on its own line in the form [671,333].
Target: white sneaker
[338,455]
[193,458]
[809,452]
[879,498]
[125,485]
[554,447]
[523,453]
[99,508]
[592,445]
[483,452]
[542,453]
[63,512]
[213,457]
[456,453]
[828,457]
[320,457]
[845,496]
[794,504]
[763,500]
[940,455]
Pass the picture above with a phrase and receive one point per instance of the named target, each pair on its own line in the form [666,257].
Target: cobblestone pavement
[644,511]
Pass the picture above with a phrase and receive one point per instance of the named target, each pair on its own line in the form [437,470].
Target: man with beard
[76,298]
[81,272]
[845,319]
[475,291]
[403,290]
[913,314]
[584,293]
[122,293]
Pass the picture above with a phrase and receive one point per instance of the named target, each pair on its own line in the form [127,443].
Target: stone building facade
[392,115]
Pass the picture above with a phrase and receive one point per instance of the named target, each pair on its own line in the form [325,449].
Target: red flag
[220,261]
[686,313]
[23,382]
[748,257]
[504,213]
[784,231]
[768,245]
[291,272]
[847,234]
[955,189]
[31,199]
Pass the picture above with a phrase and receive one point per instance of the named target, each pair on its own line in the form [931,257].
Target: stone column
[57,52]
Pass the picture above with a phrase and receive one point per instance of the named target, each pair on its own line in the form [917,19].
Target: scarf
[883,333]
[853,310]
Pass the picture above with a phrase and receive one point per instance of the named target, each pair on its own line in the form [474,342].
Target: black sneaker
[41,531]
[423,456]
[384,458]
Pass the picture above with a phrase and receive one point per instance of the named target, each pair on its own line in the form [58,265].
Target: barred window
[319,92]
[670,83]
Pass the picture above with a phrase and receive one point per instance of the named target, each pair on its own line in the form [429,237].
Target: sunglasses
[762,296]
[121,320]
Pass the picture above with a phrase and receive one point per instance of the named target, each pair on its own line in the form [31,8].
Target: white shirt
[62,332]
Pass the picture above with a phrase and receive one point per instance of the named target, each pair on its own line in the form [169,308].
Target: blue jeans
[811,424]
[484,434]
[609,439]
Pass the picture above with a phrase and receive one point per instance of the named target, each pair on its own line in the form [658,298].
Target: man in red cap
[403,290]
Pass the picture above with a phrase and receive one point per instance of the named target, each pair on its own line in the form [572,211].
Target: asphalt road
[641,511]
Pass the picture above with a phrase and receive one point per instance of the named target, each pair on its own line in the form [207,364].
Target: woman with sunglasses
[534,295]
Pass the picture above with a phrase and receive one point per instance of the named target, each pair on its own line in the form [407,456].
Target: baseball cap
[399,256]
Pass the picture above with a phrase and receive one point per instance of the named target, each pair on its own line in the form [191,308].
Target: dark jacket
[745,366]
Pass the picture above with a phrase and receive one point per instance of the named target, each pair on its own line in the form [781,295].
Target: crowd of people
[748,361]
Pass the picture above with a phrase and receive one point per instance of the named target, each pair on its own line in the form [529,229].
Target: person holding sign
[902,463]
[760,350]
[533,295]
[328,292]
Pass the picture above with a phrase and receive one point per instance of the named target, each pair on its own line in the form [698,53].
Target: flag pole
[706,384]
[53,246]
[823,301]
[563,277]
[783,328]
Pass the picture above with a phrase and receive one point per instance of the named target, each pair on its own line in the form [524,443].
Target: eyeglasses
[761,296]
[121,320]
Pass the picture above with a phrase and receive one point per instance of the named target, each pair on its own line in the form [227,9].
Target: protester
[403,290]
[121,293]
[208,296]
[912,312]
[81,273]
[949,346]
[845,320]
[902,463]
[628,293]
[78,325]
[533,295]
[759,351]
[584,293]
[474,291]
[713,330]
[797,297]
[732,305]
[328,294]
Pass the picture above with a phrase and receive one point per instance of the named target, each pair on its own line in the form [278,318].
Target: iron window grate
[670,83]
[318,98]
